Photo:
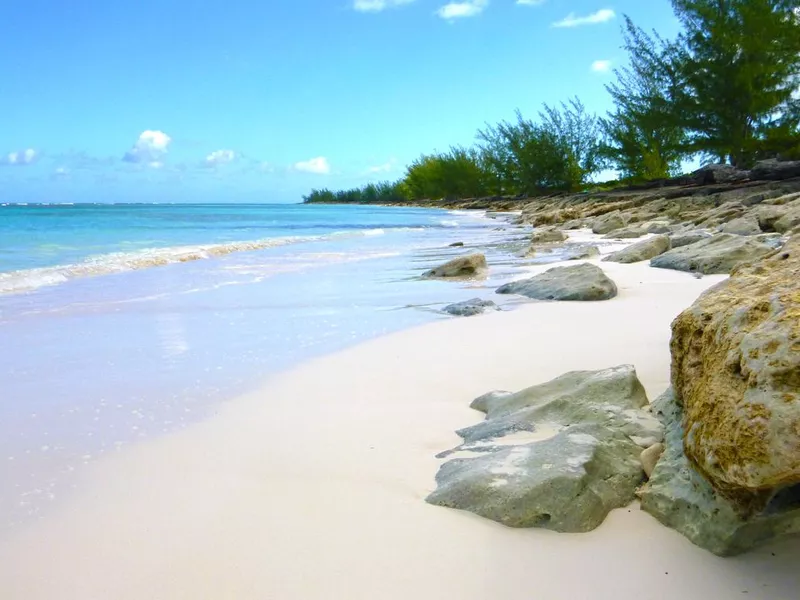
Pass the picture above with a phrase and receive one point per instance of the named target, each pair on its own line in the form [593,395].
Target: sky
[261,100]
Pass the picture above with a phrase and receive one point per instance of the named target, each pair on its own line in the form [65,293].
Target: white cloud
[601,66]
[149,149]
[377,5]
[220,157]
[60,173]
[458,10]
[384,168]
[531,2]
[572,20]
[20,158]
[318,165]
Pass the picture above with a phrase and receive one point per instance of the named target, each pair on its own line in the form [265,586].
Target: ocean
[123,322]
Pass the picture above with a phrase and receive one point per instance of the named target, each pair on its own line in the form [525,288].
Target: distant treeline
[726,89]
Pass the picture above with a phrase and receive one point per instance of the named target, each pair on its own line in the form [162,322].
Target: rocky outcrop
[717,254]
[644,250]
[583,282]
[775,170]
[681,498]
[470,308]
[581,252]
[679,240]
[718,173]
[788,221]
[626,233]
[472,265]
[736,372]
[588,430]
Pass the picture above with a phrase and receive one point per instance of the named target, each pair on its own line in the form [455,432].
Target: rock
[574,224]
[768,215]
[644,250]
[774,170]
[722,214]
[658,227]
[649,458]
[788,221]
[470,308]
[548,235]
[581,253]
[589,429]
[627,233]
[457,245]
[717,254]
[464,266]
[583,282]
[747,225]
[736,373]
[609,222]
[690,237]
[718,173]
[679,497]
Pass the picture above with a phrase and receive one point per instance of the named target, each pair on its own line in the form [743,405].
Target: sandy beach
[313,487]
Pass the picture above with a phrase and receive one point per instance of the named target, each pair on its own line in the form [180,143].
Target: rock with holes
[560,455]
[747,225]
[686,238]
[547,235]
[736,373]
[681,498]
[583,282]
[609,222]
[472,265]
[717,254]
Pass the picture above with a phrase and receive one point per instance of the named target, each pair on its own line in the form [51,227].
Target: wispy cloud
[377,5]
[531,2]
[60,173]
[20,158]
[219,157]
[150,149]
[459,10]
[318,165]
[572,20]
[601,66]
[386,167]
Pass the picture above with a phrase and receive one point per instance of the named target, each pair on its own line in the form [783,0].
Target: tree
[740,64]
[643,137]
[459,173]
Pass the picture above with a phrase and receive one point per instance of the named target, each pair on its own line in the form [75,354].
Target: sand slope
[313,487]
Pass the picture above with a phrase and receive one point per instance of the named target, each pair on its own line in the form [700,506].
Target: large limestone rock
[626,233]
[717,254]
[471,265]
[736,372]
[579,252]
[583,282]
[776,170]
[679,497]
[718,173]
[689,237]
[470,308]
[609,222]
[548,235]
[787,221]
[560,455]
[644,250]
[747,225]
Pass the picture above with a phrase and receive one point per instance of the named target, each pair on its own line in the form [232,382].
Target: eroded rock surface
[471,265]
[583,282]
[717,254]
[644,250]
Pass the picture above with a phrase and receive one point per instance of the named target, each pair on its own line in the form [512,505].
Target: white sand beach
[313,487]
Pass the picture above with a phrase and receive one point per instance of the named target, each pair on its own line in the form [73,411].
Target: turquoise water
[119,323]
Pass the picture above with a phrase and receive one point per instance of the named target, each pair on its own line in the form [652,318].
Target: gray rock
[592,429]
[788,221]
[471,265]
[717,254]
[768,215]
[581,253]
[747,225]
[609,222]
[682,499]
[548,235]
[583,282]
[690,237]
[718,173]
[457,245]
[658,227]
[470,308]
[775,170]
[644,250]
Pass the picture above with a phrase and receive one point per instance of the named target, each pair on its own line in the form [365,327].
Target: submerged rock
[583,282]
[679,497]
[592,430]
[736,373]
[471,265]
[457,245]
[717,254]
[470,308]
[644,250]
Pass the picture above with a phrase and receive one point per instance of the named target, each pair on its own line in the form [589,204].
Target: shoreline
[313,486]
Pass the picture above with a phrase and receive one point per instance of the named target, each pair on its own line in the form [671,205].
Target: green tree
[643,137]
[458,173]
[740,63]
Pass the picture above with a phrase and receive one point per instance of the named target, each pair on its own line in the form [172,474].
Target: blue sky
[253,100]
